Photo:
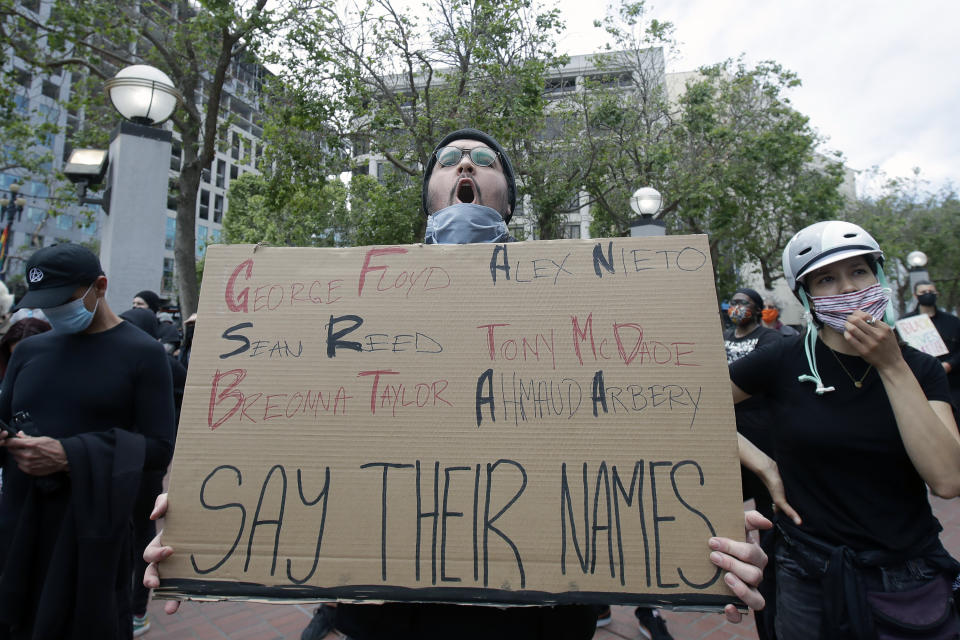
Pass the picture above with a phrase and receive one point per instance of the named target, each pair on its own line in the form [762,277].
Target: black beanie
[479,136]
[753,295]
[152,299]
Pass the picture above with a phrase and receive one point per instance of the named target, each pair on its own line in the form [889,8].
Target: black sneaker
[652,626]
[321,624]
[604,616]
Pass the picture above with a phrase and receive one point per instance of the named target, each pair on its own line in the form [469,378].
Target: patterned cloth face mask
[833,310]
[740,314]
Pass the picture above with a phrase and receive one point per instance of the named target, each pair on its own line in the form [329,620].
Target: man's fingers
[23,442]
[156,551]
[170,606]
[750,596]
[159,507]
[740,557]
[733,614]
[747,572]
[151,577]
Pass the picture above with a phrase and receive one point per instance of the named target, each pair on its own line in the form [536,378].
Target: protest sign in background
[531,422]
[918,331]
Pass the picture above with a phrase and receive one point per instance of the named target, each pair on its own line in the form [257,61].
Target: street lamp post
[11,209]
[136,169]
[917,268]
[646,203]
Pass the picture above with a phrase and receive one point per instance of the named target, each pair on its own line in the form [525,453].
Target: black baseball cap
[479,136]
[53,274]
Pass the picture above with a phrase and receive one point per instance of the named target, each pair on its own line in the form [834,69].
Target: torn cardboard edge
[215,590]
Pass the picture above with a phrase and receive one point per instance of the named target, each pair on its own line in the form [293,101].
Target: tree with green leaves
[731,156]
[197,44]
[904,216]
[395,80]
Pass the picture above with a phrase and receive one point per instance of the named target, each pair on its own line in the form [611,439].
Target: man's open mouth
[466,191]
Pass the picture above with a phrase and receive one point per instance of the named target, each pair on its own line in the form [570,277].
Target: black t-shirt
[78,383]
[948,326]
[738,347]
[844,467]
[753,415]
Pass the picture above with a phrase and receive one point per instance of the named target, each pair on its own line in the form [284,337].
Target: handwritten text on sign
[918,331]
[526,422]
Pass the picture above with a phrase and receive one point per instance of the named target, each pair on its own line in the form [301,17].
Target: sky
[881,78]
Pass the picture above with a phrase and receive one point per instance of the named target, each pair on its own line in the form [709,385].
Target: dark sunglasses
[480,156]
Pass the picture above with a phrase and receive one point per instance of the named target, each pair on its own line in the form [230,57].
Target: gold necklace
[856,383]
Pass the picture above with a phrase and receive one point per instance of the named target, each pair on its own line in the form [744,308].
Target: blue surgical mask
[464,223]
[72,317]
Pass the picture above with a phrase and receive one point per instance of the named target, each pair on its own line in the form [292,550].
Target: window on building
[64,221]
[234,172]
[23,78]
[204,210]
[171,234]
[32,5]
[168,275]
[236,146]
[201,240]
[217,208]
[571,231]
[555,85]
[35,214]
[51,90]
[221,172]
[176,152]
[173,193]
[215,235]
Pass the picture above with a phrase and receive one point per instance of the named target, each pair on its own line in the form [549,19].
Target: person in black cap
[469,194]
[89,407]
[146,299]
[469,190]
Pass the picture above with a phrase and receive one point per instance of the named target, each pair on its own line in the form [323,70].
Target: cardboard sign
[918,331]
[534,422]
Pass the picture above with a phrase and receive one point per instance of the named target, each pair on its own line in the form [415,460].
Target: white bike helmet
[824,243]
[818,245]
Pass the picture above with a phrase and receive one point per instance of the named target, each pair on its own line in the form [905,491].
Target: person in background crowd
[19,330]
[187,343]
[858,552]
[771,318]
[167,332]
[469,193]
[753,421]
[94,405]
[747,332]
[6,303]
[948,326]
[151,485]
[147,299]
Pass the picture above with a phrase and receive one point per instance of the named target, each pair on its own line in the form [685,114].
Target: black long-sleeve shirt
[78,383]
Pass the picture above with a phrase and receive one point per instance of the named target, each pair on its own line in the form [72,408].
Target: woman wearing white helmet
[859,554]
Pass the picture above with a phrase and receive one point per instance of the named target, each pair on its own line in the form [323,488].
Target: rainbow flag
[4,238]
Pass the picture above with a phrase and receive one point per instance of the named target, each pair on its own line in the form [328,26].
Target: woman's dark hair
[18,331]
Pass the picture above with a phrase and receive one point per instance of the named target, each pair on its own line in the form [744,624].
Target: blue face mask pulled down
[464,223]
[72,317]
